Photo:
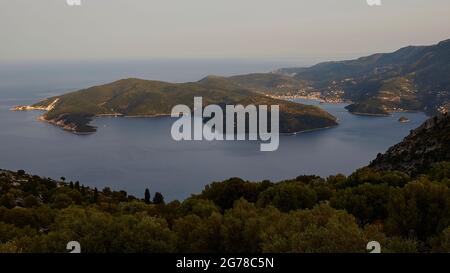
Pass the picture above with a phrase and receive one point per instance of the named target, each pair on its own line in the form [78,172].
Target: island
[367,109]
[413,78]
[403,119]
[145,98]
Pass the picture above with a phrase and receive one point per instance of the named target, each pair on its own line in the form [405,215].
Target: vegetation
[425,146]
[367,108]
[402,200]
[136,97]
[270,83]
[411,78]
[306,214]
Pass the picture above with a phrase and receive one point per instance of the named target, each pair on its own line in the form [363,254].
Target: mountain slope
[426,145]
[136,97]
[270,83]
[412,78]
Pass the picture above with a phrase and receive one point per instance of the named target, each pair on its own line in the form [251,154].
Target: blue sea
[136,153]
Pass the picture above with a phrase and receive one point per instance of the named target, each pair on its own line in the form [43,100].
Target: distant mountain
[136,97]
[426,145]
[270,83]
[412,78]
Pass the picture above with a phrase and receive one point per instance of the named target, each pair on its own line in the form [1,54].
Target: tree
[441,243]
[440,171]
[147,196]
[95,195]
[158,198]
[241,227]
[143,235]
[30,201]
[107,191]
[421,209]
[61,200]
[371,176]
[8,201]
[368,202]
[9,247]
[322,230]
[200,207]
[225,193]
[288,196]
[199,235]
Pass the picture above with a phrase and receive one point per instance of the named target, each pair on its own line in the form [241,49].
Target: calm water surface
[136,153]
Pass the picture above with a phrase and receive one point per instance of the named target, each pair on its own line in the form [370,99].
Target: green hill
[367,108]
[270,83]
[136,97]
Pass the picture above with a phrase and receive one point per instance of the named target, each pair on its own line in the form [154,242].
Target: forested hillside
[306,214]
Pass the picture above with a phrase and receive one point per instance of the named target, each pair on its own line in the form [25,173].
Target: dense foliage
[306,214]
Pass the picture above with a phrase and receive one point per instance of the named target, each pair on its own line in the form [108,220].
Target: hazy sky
[277,29]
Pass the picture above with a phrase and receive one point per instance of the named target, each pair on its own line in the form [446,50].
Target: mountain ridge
[412,78]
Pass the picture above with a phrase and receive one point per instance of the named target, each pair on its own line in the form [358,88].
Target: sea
[133,154]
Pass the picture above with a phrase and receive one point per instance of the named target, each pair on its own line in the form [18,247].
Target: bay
[137,153]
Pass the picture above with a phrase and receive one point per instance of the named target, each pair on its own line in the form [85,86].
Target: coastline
[68,128]
[390,113]
[309,130]
[317,99]
[370,115]
[118,115]
[73,127]
[65,127]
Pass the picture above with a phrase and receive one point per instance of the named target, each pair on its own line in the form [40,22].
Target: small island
[367,109]
[403,119]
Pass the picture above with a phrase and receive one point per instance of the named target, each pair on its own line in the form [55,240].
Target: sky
[51,30]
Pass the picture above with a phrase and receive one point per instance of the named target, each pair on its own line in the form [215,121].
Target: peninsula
[144,98]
